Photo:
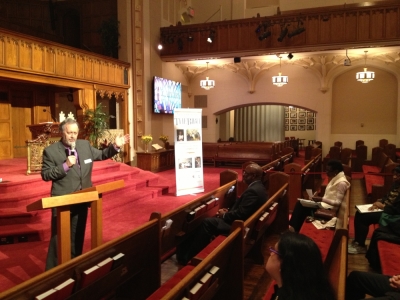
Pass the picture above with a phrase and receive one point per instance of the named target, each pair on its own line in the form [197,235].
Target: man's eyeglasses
[274,251]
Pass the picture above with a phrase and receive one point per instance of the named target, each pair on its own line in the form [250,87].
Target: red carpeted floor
[123,210]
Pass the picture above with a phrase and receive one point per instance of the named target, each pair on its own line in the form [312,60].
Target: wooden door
[6,150]
[21,116]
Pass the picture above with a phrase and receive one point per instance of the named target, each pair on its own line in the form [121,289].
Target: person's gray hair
[67,121]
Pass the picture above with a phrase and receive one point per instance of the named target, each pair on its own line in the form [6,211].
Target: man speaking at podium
[68,164]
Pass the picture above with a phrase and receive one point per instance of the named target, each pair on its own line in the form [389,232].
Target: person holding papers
[334,194]
[390,205]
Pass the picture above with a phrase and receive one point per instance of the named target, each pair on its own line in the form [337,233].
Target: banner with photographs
[188,151]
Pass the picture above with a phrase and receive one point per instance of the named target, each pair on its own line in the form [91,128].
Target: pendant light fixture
[207,84]
[365,76]
[280,80]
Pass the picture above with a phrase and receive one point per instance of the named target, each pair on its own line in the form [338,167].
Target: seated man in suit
[248,203]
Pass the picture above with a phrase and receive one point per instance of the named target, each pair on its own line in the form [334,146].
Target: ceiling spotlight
[211,36]
[290,56]
[284,31]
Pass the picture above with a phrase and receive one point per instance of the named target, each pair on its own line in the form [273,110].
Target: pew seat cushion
[371,180]
[170,283]
[389,256]
[323,238]
[371,169]
[270,291]
[210,247]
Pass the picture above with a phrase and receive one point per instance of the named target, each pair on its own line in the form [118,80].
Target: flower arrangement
[164,138]
[147,138]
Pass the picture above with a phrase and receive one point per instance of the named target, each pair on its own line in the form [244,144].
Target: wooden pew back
[136,278]
[182,225]
[228,257]
[271,215]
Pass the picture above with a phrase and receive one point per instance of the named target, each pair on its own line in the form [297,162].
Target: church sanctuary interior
[289,85]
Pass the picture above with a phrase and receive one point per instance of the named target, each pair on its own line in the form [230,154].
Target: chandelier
[365,76]
[207,83]
[280,80]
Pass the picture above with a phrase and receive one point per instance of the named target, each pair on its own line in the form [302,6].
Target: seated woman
[334,194]
[390,204]
[296,266]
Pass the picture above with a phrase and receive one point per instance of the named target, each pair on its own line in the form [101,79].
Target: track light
[284,32]
[211,36]
[264,35]
[159,46]
[190,37]
[298,30]
[290,56]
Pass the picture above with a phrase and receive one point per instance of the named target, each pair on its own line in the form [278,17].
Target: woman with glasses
[295,264]
[333,197]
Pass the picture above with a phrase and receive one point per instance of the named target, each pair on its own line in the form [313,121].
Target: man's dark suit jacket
[251,200]
[79,176]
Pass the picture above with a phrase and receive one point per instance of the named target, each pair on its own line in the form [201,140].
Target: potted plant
[96,125]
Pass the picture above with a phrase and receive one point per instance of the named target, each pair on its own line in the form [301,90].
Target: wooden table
[156,161]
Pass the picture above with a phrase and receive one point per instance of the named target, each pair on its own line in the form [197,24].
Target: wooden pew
[183,223]
[138,275]
[302,178]
[333,246]
[227,283]
[240,153]
[272,217]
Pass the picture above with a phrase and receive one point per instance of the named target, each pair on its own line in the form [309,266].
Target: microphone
[73,148]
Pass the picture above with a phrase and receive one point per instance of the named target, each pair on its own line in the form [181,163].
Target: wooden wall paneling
[21,116]
[25,55]
[49,62]
[104,72]
[377,28]
[60,62]
[5,130]
[325,30]
[96,69]
[88,68]
[70,59]
[392,23]
[79,66]
[225,37]
[363,25]
[312,28]
[337,27]
[37,58]
[351,27]
[11,51]
[245,36]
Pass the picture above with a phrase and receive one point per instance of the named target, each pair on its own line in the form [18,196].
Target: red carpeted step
[12,216]
[18,233]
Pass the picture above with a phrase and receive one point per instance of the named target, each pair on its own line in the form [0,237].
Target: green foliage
[96,123]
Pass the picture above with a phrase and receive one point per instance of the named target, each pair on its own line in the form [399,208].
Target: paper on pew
[309,203]
[330,224]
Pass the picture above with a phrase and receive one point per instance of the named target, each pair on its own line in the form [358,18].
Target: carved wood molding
[23,54]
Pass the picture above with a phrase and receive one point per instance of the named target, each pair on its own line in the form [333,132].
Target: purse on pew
[325,214]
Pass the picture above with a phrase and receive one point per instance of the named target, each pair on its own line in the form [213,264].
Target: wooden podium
[62,204]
